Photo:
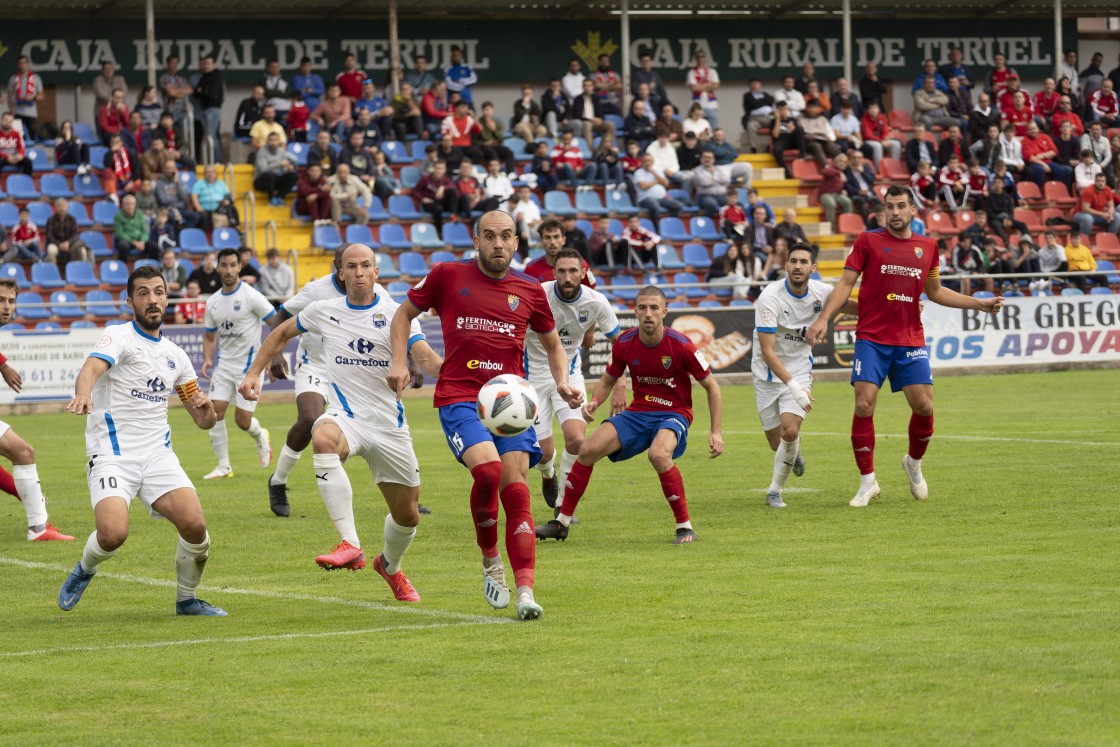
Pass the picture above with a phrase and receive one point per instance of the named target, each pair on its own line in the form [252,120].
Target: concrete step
[776,187]
[782,202]
[758,160]
[771,173]
[816,228]
[832,254]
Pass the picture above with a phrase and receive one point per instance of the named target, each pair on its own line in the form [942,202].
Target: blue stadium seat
[741,303]
[584,148]
[703,228]
[22,187]
[225,238]
[588,203]
[679,305]
[81,213]
[689,277]
[558,203]
[398,289]
[618,122]
[672,229]
[42,159]
[983,294]
[297,216]
[457,235]
[101,303]
[391,236]
[425,236]
[96,243]
[667,258]
[684,197]
[618,202]
[104,211]
[45,275]
[14,271]
[1100,291]
[585,225]
[710,303]
[412,265]
[186,264]
[48,327]
[396,152]
[360,233]
[442,256]
[194,241]
[9,214]
[327,237]
[409,176]
[65,305]
[299,150]
[84,132]
[24,307]
[40,213]
[12,327]
[83,324]
[88,187]
[647,224]
[377,211]
[114,273]
[385,264]
[97,154]
[1069,292]
[81,275]
[188,177]
[696,256]
[719,249]
[145,262]
[416,150]
[517,146]
[401,207]
[55,186]
[625,287]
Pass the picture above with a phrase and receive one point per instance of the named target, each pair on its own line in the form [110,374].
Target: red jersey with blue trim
[484,324]
[543,271]
[894,277]
[660,374]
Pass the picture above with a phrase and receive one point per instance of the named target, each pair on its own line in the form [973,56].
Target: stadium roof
[516,9]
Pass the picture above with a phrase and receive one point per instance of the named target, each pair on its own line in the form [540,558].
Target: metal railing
[292,260]
[188,125]
[249,218]
[270,235]
[207,155]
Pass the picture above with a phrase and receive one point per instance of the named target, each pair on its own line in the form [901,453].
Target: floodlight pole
[394,49]
[625,98]
[150,28]
[848,40]
[1059,53]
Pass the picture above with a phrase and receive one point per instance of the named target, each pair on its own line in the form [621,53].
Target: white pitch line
[237,639]
[788,490]
[444,614]
[938,436]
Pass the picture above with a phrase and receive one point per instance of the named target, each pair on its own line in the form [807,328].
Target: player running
[234,316]
[897,266]
[124,387]
[486,309]
[782,363]
[660,362]
[23,482]
[364,418]
[576,309]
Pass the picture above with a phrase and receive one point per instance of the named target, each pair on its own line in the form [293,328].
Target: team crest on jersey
[171,364]
[237,306]
[918,252]
[583,314]
[666,361]
[378,320]
[514,301]
[816,307]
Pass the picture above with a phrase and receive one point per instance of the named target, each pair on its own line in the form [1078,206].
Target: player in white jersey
[577,309]
[364,417]
[782,363]
[25,475]
[233,327]
[124,386]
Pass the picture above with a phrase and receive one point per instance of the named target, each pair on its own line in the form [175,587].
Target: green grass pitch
[989,614]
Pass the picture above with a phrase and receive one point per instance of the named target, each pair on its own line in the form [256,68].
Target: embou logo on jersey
[514,301]
[361,345]
[666,361]
[378,320]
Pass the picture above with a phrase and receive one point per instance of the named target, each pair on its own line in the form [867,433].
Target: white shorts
[388,452]
[552,404]
[147,476]
[4,428]
[312,378]
[774,398]
[223,387]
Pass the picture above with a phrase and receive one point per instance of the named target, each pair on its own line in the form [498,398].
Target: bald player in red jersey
[486,309]
[897,267]
[543,268]
[662,364]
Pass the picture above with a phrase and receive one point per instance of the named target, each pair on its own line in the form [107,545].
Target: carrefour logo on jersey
[900,297]
[361,345]
[155,385]
[476,364]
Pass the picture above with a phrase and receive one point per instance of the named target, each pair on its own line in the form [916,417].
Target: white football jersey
[129,415]
[310,349]
[236,317]
[573,319]
[788,317]
[358,350]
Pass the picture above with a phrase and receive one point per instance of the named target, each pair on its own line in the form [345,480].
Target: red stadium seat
[894,170]
[963,219]
[1030,218]
[807,171]
[1048,213]
[899,119]
[1057,195]
[939,223]
[850,224]
[1107,245]
[1029,193]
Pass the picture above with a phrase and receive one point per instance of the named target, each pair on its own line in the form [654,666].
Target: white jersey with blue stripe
[129,415]
[310,351]
[573,319]
[788,317]
[236,317]
[358,350]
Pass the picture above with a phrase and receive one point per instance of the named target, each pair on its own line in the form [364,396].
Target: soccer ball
[507,405]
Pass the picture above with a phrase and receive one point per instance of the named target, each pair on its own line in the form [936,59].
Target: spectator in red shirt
[1039,153]
[1097,208]
[1103,105]
[12,150]
[1065,113]
[471,196]
[25,238]
[434,108]
[999,76]
[923,185]
[461,125]
[349,81]
[568,163]
[608,86]
[1018,114]
[642,242]
[298,116]
[831,193]
[1007,99]
[1046,104]
[876,132]
[436,194]
[952,185]
[113,116]
[193,309]
[314,195]
[733,219]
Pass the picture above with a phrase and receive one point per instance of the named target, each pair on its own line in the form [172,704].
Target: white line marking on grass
[938,436]
[444,614]
[244,639]
[787,490]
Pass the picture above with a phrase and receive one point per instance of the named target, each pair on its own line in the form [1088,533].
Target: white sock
[564,518]
[190,561]
[284,465]
[334,486]
[525,592]
[93,555]
[913,467]
[548,469]
[219,441]
[26,477]
[254,429]
[397,540]
[684,524]
[567,461]
[783,463]
[866,481]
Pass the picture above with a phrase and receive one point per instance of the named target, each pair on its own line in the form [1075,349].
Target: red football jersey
[484,324]
[894,277]
[660,373]
[540,269]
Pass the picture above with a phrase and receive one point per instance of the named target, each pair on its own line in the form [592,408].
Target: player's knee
[661,459]
[323,442]
[865,408]
[573,445]
[111,538]
[488,475]
[24,453]
[923,408]
[243,419]
[790,433]
[193,529]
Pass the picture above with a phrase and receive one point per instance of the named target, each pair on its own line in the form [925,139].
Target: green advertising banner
[65,52]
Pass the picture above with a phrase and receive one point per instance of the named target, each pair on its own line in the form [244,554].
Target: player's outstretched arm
[278,369]
[199,406]
[774,363]
[428,360]
[209,345]
[250,387]
[91,371]
[839,296]
[558,364]
[715,410]
[399,331]
[939,294]
[603,387]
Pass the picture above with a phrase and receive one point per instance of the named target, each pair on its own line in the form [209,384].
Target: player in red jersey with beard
[897,267]
[662,364]
[486,309]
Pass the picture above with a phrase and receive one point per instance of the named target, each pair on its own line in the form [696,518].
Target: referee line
[237,639]
[463,618]
[938,437]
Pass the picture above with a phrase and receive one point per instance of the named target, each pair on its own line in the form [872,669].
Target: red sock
[8,483]
[672,485]
[921,431]
[576,487]
[863,443]
[484,505]
[521,537]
